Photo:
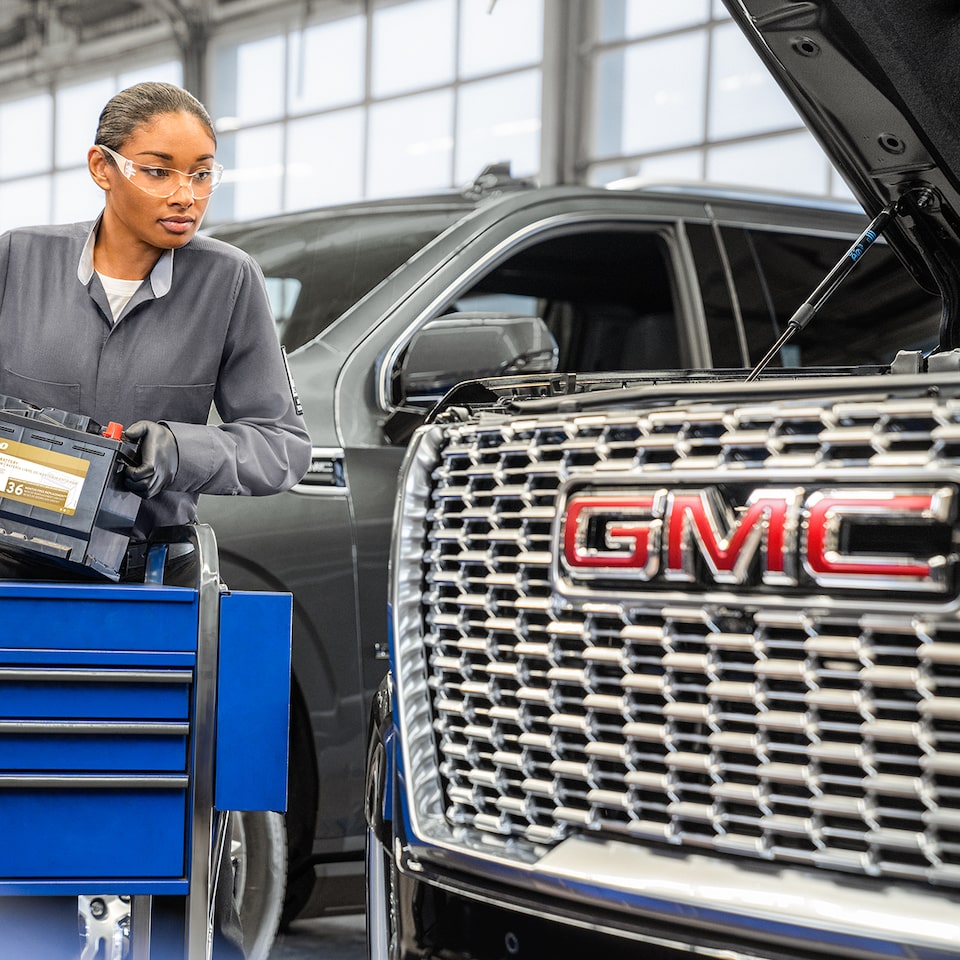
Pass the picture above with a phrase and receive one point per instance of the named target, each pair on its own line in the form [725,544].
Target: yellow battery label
[41,478]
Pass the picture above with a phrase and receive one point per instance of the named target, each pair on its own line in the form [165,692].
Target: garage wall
[336,100]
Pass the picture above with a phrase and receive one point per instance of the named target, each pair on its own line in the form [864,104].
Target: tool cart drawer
[91,693]
[108,746]
[93,827]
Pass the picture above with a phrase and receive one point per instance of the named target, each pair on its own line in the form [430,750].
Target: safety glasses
[164,182]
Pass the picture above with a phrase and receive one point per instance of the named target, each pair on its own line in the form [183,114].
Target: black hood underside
[876,81]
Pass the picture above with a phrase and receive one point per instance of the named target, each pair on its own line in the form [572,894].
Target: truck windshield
[317,267]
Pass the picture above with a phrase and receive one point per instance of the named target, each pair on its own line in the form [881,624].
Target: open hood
[876,82]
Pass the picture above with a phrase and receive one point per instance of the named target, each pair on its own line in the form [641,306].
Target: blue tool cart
[133,716]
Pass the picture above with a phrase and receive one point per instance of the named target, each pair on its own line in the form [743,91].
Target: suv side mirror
[466,346]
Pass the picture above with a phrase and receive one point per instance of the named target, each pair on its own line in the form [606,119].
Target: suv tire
[259,854]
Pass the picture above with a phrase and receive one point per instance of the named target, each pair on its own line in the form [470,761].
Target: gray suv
[385,306]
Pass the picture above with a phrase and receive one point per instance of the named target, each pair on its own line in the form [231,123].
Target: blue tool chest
[98,715]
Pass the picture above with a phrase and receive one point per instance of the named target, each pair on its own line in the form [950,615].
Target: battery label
[41,478]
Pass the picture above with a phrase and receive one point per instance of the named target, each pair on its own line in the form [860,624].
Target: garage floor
[336,938]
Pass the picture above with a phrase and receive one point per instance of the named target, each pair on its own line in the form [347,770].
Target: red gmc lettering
[629,533]
[778,536]
[729,544]
[826,512]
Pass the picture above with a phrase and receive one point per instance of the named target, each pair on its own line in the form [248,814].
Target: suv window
[605,295]
[591,298]
[317,268]
[877,310]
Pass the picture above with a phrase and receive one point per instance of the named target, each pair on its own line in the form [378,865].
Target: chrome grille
[823,737]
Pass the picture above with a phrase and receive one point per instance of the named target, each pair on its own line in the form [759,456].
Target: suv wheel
[259,853]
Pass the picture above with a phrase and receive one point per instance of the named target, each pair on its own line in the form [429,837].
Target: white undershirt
[118,292]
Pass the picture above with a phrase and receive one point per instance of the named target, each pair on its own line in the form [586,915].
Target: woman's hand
[159,458]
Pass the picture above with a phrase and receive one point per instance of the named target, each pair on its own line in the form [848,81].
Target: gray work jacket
[197,334]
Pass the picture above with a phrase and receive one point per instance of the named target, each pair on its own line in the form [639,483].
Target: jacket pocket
[184,403]
[44,393]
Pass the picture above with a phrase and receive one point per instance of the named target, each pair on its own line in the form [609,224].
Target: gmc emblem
[860,538]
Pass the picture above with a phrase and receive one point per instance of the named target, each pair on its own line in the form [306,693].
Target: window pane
[499,120]
[258,172]
[413,46]
[221,203]
[411,142]
[794,163]
[838,186]
[75,196]
[24,202]
[21,152]
[877,309]
[325,160]
[326,65]
[684,165]
[249,81]
[78,109]
[650,96]
[621,19]
[601,174]
[601,318]
[329,263]
[510,35]
[744,98]
[169,72]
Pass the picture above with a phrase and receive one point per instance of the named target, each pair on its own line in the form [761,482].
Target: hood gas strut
[830,282]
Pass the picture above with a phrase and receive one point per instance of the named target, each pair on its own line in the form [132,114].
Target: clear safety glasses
[164,182]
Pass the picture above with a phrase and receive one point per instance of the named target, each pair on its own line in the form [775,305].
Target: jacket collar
[161,276]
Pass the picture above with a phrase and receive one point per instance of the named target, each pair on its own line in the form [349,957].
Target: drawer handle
[50,674]
[65,781]
[157,728]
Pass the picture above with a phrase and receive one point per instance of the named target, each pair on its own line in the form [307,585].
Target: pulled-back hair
[139,104]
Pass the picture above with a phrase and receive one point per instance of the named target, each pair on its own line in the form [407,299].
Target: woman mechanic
[134,318]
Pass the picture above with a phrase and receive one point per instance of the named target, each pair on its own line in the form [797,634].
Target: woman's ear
[97,165]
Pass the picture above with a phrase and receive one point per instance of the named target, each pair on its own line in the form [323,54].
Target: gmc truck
[675,652]
[386,305]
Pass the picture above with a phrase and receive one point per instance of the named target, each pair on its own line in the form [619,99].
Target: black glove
[158,458]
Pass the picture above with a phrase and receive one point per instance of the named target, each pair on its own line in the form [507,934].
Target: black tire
[259,853]
[302,806]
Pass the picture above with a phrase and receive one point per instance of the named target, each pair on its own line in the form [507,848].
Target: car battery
[63,508]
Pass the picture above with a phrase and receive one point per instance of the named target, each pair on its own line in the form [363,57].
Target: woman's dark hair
[139,104]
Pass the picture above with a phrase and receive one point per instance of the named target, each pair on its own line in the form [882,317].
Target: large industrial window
[676,92]
[376,99]
[49,182]
[332,101]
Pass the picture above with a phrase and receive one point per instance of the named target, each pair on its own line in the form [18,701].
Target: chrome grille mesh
[830,739]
